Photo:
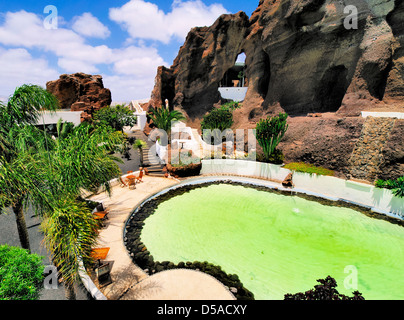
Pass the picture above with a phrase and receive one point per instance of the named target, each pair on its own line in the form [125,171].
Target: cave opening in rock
[264,79]
[376,79]
[234,84]
[333,87]
[235,76]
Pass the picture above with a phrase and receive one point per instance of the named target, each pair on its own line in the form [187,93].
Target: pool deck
[129,281]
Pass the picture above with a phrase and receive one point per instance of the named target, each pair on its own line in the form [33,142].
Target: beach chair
[122,182]
[103,273]
[102,269]
[101,215]
[139,177]
[132,183]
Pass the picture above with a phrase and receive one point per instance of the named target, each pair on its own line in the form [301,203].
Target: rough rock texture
[80,92]
[300,58]
[367,157]
[393,154]
[288,182]
[326,142]
[191,84]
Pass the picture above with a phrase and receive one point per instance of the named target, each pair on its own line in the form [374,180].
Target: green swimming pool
[278,244]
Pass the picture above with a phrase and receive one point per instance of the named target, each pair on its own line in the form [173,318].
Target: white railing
[233,93]
[398,115]
[378,200]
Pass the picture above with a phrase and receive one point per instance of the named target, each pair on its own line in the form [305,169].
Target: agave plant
[270,131]
[396,186]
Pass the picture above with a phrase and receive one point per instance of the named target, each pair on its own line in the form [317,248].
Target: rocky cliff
[80,92]
[300,58]
[303,56]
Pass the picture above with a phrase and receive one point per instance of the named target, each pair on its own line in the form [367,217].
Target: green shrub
[221,119]
[326,290]
[276,157]
[116,117]
[21,274]
[396,186]
[231,106]
[269,133]
[308,168]
[218,121]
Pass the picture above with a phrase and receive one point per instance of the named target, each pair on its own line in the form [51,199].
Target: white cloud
[129,71]
[144,20]
[137,61]
[133,68]
[18,67]
[126,88]
[89,26]
[74,66]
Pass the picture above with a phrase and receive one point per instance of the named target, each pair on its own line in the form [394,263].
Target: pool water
[278,244]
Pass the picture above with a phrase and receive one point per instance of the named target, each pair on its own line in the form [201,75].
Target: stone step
[155,168]
[155,174]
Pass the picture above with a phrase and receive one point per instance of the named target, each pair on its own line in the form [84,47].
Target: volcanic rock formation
[300,58]
[80,92]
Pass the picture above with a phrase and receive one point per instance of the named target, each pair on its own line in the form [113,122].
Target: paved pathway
[129,281]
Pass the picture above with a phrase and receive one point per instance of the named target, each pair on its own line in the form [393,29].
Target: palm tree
[163,118]
[79,163]
[19,140]
[52,174]
[140,144]
[70,234]
[82,161]
[20,185]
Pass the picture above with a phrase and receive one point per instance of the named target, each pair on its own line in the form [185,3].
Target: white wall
[235,94]
[398,115]
[53,117]
[379,200]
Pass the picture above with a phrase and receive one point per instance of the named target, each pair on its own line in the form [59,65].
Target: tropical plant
[83,161]
[117,117]
[51,174]
[140,144]
[231,105]
[270,131]
[70,233]
[25,104]
[221,118]
[63,129]
[217,123]
[19,142]
[396,186]
[163,118]
[326,290]
[277,157]
[21,274]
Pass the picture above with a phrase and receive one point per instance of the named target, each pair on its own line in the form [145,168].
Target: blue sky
[122,40]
